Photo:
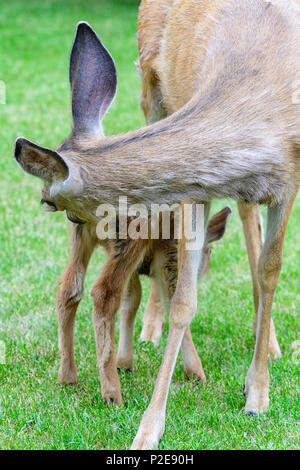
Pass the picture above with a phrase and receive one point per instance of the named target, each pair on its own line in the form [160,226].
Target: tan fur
[153,321]
[176,78]
[167,61]
[151,23]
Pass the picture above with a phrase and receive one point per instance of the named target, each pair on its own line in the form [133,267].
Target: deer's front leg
[257,380]
[129,305]
[68,298]
[253,231]
[106,294]
[182,310]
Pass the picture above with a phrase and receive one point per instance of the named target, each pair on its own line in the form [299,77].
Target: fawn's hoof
[257,402]
[196,373]
[152,332]
[274,351]
[251,413]
[112,397]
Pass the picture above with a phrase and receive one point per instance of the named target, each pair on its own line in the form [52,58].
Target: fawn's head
[93,80]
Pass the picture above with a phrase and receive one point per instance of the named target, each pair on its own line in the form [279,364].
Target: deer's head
[93,80]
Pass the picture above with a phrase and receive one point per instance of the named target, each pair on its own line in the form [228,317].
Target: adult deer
[163,67]
[236,134]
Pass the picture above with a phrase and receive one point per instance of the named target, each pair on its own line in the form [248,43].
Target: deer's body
[233,131]
[237,137]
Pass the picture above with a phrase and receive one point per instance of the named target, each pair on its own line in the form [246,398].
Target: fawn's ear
[93,79]
[39,161]
[217,225]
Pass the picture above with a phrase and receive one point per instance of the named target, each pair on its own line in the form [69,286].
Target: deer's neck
[194,154]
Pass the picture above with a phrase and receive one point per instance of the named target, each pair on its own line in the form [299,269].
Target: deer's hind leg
[257,380]
[253,231]
[69,296]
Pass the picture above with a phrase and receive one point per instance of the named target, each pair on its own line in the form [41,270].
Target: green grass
[37,413]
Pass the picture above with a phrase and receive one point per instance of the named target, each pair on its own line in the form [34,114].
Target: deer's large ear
[93,79]
[39,161]
[217,225]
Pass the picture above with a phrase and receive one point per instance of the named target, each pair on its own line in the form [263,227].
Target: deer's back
[201,39]
[239,59]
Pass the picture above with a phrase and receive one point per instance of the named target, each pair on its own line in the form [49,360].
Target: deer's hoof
[125,363]
[197,373]
[67,376]
[152,332]
[150,431]
[144,442]
[252,413]
[112,398]
[257,392]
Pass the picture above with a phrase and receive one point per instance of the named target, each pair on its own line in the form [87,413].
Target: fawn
[235,134]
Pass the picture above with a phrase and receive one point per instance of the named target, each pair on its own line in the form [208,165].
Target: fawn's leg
[166,285]
[129,305]
[257,380]
[253,231]
[106,294]
[68,298]
[191,360]
[154,318]
[183,308]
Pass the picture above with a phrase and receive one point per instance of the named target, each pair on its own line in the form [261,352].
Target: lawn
[36,412]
